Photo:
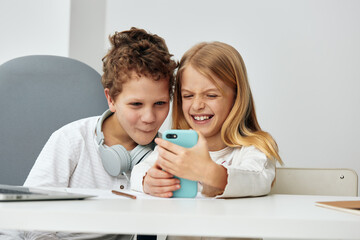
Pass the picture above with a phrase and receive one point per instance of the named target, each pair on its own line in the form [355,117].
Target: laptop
[20,193]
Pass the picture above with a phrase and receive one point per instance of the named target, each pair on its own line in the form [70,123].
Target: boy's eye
[212,95]
[160,103]
[187,96]
[136,104]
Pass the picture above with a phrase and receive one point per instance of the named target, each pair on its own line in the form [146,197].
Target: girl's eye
[187,96]
[212,95]
[160,103]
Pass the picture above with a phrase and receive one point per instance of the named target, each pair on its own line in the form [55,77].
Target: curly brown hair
[139,52]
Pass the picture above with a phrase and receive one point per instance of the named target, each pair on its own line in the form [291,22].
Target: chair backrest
[38,95]
[316,181]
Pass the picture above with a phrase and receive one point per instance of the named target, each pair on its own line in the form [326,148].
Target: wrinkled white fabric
[71,158]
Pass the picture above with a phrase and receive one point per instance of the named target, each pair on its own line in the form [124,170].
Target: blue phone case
[187,139]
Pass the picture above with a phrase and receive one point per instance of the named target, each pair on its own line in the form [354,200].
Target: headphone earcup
[115,159]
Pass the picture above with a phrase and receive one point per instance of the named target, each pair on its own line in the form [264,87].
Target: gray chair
[38,95]
[316,181]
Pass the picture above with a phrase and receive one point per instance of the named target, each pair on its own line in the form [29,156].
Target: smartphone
[187,139]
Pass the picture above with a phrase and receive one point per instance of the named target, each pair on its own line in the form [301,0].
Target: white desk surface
[273,216]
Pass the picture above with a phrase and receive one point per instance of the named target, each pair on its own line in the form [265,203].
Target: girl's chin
[202,131]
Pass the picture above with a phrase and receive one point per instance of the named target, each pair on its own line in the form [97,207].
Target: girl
[233,156]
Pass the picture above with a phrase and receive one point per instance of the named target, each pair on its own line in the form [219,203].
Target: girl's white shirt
[250,172]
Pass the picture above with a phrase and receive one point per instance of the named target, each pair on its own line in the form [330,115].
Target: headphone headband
[99,134]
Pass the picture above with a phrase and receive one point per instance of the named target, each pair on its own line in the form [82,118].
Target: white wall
[303,57]
[87,32]
[34,27]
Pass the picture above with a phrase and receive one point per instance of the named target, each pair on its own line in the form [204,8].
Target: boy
[99,152]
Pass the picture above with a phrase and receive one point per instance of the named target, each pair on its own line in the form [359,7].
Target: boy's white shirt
[71,158]
[250,172]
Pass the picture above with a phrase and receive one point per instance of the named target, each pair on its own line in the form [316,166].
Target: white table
[273,216]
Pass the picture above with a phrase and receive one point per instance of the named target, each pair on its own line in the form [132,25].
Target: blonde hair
[241,127]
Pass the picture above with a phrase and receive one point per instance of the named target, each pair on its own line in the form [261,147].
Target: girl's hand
[160,183]
[190,163]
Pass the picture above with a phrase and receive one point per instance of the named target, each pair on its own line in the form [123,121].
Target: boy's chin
[145,140]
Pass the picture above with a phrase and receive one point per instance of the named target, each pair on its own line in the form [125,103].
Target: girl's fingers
[166,165]
[201,140]
[165,154]
[159,174]
[160,183]
[166,191]
[165,182]
[169,146]
[163,195]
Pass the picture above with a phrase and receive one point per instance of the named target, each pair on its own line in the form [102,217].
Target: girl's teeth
[201,118]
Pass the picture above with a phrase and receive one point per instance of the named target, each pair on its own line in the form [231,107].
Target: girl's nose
[198,104]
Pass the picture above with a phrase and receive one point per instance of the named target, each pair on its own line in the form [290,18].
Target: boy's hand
[160,183]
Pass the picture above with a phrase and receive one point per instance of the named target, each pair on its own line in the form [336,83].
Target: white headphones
[116,159]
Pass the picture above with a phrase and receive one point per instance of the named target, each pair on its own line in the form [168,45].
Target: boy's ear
[110,101]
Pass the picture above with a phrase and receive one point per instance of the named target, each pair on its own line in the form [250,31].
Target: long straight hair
[241,127]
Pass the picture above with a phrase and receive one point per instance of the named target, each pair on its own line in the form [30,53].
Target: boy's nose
[148,116]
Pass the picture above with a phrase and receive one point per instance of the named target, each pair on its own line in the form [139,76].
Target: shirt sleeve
[139,171]
[250,173]
[55,163]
